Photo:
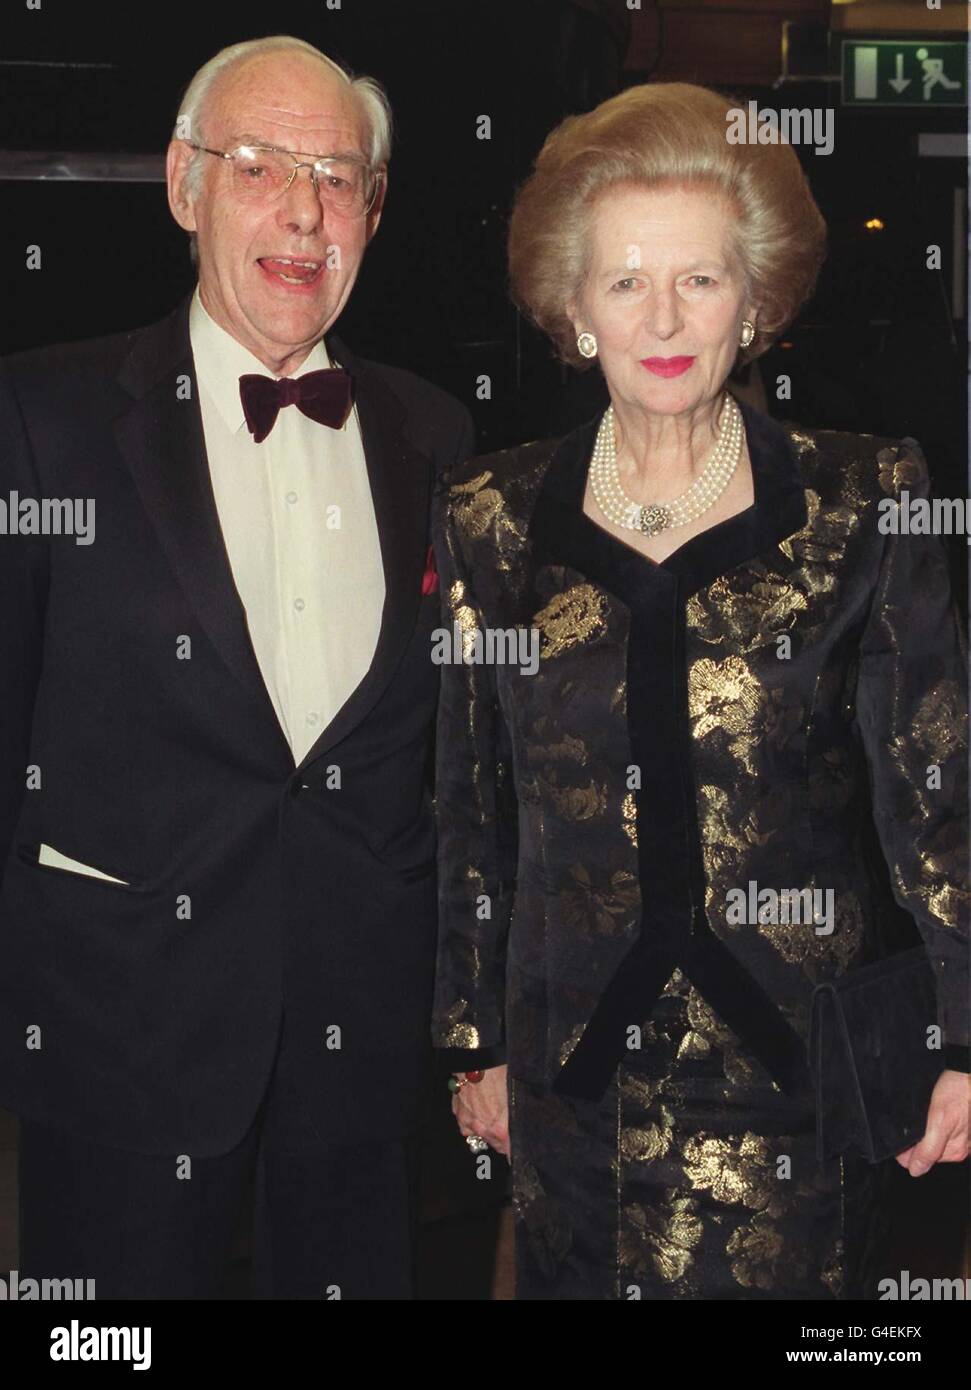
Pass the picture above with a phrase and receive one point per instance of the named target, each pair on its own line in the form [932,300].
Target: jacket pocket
[46,859]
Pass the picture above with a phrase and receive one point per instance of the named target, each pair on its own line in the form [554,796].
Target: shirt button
[291,497]
[299,604]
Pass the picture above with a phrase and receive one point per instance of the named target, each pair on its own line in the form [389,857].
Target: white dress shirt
[297,517]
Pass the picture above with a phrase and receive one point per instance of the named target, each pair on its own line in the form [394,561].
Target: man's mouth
[291,272]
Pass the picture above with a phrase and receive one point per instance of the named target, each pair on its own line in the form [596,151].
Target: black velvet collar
[562,533]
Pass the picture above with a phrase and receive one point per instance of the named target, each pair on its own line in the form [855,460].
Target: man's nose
[299,204]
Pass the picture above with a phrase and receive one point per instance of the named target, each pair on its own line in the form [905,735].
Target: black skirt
[694,1177]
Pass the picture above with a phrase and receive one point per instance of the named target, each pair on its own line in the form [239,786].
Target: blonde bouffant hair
[662,134]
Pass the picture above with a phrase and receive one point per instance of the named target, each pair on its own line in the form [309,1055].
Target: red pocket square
[429,580]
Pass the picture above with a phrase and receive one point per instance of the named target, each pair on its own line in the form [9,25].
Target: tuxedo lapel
[161,438]
[400,478]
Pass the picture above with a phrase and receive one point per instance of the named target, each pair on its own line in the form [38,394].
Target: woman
[742,684]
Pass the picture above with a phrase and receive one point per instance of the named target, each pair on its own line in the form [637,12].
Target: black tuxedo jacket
[146,1015]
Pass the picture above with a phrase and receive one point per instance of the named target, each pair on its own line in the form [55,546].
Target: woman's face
[665,296]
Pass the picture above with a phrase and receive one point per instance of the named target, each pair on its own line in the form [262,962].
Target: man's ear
[374,216]
[177,158]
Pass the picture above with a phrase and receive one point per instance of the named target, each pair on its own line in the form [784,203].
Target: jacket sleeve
[913,718]
[24,563]
[478,840]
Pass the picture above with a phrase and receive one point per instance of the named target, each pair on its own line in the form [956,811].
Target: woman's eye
[626,284]
[703,281]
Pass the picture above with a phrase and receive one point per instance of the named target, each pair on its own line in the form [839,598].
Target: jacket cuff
[473,1058]
[957,1057]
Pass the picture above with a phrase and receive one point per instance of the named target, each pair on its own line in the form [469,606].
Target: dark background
[878,350]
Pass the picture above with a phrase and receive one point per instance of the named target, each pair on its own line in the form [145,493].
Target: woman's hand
[482,1107]
[946,1137]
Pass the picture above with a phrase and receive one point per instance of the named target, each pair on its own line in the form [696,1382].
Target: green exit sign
[885,72]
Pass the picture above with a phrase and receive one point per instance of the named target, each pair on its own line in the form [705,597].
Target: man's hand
[946,1137]
[482,1108]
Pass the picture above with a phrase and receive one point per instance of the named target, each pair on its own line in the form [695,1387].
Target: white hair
[368,92]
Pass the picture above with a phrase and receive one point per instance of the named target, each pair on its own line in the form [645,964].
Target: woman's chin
[671,400]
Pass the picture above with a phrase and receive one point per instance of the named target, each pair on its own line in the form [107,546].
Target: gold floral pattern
[595,905]
[579,803]
[801,943]
[628,814]
[757,1250]
[479,512]
[896,472]
[662,1237]
[724,697]
[471,485]
[939,728]
[571,618]
[739,1172]
[639,1143]
[456,1033]
[748,609]
[828,529]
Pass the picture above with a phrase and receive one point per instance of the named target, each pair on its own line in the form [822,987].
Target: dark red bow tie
[324,396]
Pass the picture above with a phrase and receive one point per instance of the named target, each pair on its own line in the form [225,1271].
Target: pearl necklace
[703,493]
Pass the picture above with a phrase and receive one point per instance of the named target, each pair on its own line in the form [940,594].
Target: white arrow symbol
[899,82]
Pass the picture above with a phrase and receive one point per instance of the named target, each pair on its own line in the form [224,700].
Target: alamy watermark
[14,1289]
[48,516]
[790,126]
[490,646]
[914,1289]
[77,1343]
[924,516]
[755,906]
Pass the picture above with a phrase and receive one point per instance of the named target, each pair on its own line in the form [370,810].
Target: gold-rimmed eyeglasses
[261,173]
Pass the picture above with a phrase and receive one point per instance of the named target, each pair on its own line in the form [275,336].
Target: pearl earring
[587,345]
[748,333]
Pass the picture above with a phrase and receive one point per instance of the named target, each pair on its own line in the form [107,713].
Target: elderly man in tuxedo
[217,920]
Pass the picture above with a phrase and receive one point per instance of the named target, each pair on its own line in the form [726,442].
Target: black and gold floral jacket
[781,702]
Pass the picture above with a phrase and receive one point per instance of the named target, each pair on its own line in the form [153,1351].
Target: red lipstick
[667,366]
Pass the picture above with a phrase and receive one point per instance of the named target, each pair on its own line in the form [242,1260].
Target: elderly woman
[743,684]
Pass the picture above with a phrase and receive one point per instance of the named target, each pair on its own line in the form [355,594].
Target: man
[217,922]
